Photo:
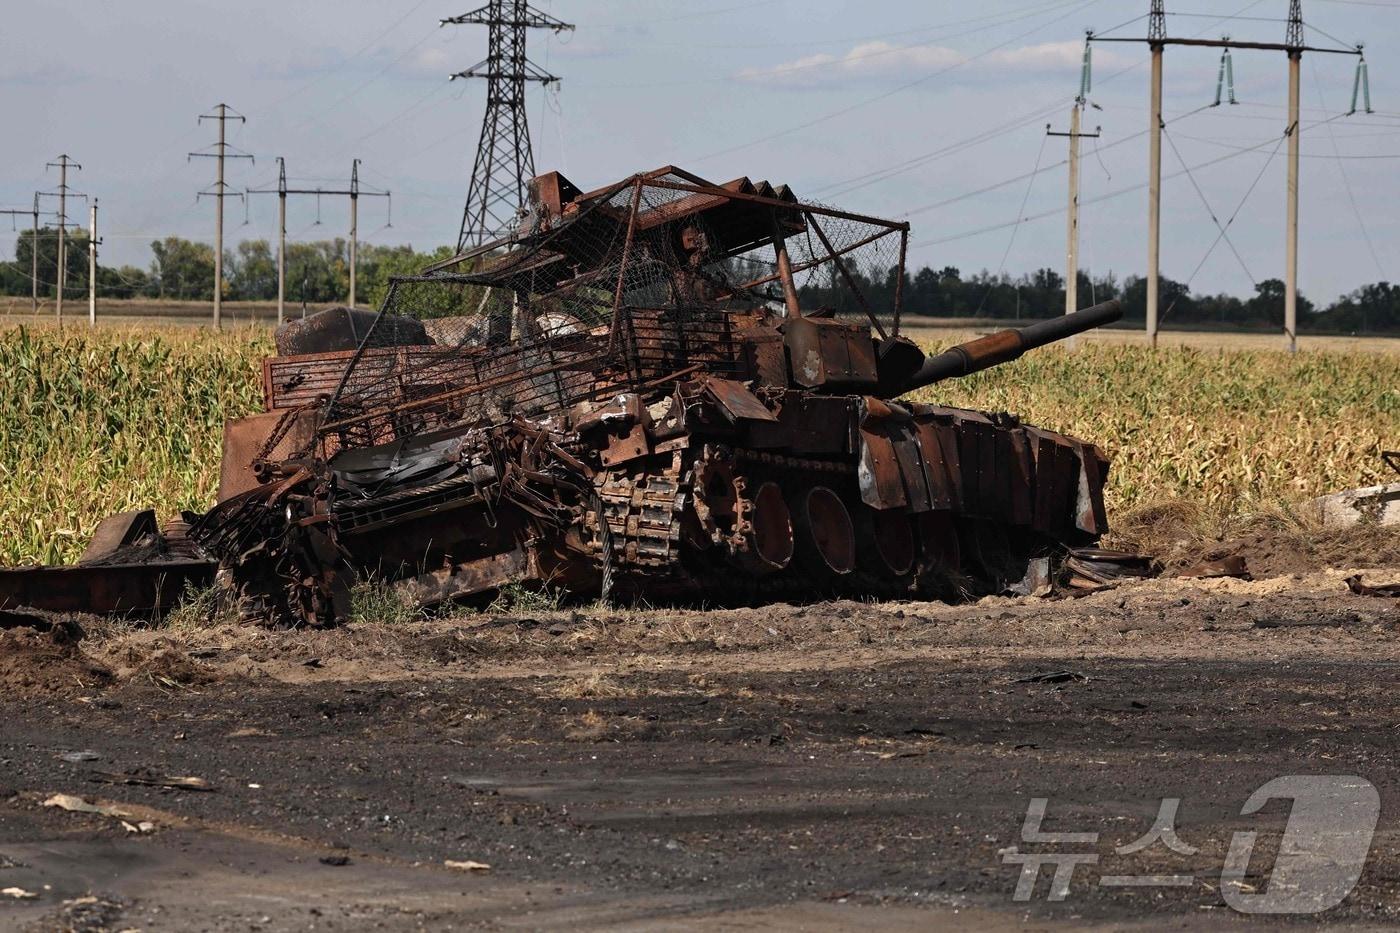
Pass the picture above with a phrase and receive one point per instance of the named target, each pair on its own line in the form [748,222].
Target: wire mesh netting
[644,282]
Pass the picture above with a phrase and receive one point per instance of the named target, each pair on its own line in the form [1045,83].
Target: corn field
[96,423]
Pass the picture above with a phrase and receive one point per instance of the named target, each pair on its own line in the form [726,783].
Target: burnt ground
[816,767]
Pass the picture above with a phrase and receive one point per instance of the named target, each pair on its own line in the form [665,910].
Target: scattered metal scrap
[1375,505]
[1389,590]
[664,387]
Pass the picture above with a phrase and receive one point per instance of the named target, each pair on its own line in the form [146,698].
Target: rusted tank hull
[707,491]
[141,590]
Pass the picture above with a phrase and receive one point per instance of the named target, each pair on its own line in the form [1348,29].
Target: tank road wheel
[826,537]
[940,555]
[887,553]
[989,555]
[763,541]
[892,535]
[938,542]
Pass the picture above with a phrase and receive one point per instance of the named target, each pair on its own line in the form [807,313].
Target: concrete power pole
[223,113]
[1156,35]
[354,224]
[33,247]
[281,236]
[63,165]
[354,192]
[92,264]
[34,257]
[1158,39]
[1294,41]
[1072,233]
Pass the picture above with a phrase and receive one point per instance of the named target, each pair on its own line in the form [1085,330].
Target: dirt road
[821,767]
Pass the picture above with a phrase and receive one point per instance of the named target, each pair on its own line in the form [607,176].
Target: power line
[1006,254]
[1346,182]
[354,192]
[890,93]
[1117,193]
[1209,210]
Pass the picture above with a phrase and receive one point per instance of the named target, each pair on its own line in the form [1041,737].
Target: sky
[927,110]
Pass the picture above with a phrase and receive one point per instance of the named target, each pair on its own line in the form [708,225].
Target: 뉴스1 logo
[1331,821]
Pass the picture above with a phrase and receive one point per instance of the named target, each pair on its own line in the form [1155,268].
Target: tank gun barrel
[1007,345]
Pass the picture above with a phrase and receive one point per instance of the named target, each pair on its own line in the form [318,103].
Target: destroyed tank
[662,389]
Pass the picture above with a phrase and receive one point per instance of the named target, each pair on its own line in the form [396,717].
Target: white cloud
[1050,56]
[434,60]
[865,59]
[882,59]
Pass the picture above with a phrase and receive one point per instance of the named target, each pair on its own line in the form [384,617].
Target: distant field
[96,423]
[151,313]
[941,331]
[130,315]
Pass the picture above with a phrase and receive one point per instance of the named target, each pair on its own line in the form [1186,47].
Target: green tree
[252,271]
[183,269]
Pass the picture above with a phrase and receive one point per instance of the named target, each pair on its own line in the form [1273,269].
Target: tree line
[319,273]
[947,292]
[183,270]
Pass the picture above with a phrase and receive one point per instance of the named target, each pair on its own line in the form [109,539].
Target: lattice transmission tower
[504,161]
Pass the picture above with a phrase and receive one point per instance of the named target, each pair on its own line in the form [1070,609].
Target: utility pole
[34,256]
[63,165]
[281,192]
[1294,41]
[281,237]
[1293,44]
[92,264]
[504,160]
[353,192]
[1156,36]
[223,113]
[1072,233]
[354,224]
[33,247]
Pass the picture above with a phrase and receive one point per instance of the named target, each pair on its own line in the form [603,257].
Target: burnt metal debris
[664,388]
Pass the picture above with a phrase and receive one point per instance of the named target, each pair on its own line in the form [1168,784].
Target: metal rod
[804,266]
[622,266]
[780,251]
[777,202]
[845,274]
[1231,43]
[899,283]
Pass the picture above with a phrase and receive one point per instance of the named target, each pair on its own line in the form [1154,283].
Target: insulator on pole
[1086,73]
[1361,86]
[1225,82]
